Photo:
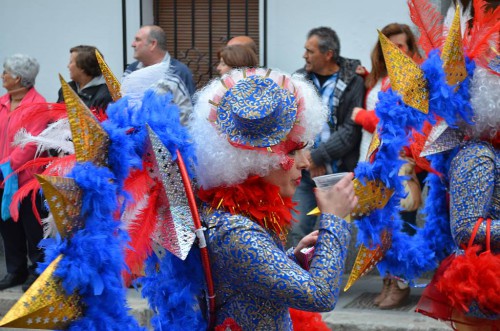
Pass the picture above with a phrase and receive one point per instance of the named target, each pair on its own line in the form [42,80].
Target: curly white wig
[485,101]
[220,163]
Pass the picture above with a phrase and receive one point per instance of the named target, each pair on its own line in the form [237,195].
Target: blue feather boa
[93,257]
[158,111]
[409,257]
[173,288]
[170,285]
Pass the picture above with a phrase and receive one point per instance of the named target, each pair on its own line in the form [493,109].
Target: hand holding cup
[338,199]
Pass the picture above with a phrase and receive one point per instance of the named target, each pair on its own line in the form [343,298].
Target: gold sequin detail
[453,56]
[90,140]
[367,259]
[374,144]
[113,84]
[65,201]
[373,195]
[44,305]
[405,76]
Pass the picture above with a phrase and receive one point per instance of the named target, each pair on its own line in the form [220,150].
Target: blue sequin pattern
[257,112]
[256,282]
[475,193]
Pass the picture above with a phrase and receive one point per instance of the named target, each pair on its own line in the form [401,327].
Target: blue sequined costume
[256,281]
[475,193]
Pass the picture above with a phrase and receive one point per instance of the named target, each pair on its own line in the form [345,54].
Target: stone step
[354,311]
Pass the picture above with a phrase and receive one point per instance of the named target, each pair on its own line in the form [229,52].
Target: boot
[385,290]
[396,297]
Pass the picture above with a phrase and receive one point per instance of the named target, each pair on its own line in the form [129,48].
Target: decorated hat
[246,123]
[256,112]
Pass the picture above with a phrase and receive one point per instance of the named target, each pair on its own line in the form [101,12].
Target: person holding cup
[250,132]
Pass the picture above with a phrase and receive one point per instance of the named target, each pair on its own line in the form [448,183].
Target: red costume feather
[140,229]
[470,277]
[54,166]
[429,20]
[484,34]
[23,192]
[38,113]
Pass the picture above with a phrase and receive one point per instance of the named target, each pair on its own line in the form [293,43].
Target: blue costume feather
[93,256]
[408,256]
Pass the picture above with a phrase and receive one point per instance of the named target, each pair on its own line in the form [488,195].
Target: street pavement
[354,310]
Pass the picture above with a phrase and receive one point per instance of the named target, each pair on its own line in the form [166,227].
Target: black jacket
[96,96]
[343,144]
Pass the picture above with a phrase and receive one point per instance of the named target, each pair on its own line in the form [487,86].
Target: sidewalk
[354,310]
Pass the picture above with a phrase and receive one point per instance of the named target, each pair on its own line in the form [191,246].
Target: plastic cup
[326,181]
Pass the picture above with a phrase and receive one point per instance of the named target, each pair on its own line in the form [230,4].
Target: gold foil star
[374,145]
[111,81]
[65,201]
[373,195]
[405,75]
[90,140]
[453,56]
[44,305]
[367,259]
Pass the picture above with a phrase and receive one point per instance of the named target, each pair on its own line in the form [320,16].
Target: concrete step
[354,311]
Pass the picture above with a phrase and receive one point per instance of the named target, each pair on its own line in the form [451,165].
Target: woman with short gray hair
[20,238]
[23,66]
[19,73]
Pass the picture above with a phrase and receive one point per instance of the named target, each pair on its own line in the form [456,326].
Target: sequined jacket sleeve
[248,259]
[475,193]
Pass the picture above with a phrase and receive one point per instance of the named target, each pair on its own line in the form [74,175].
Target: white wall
[47,29]
[355,21]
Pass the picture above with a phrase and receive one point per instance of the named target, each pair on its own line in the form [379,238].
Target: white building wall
[47,29]
[355,21]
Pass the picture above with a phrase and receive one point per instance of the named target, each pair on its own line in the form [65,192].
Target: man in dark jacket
[337,147]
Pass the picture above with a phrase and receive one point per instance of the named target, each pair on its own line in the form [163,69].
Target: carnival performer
[465,289]
[394,293]
[250,130]
[456,88]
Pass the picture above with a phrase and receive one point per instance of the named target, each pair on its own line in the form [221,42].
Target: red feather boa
[471,277]
[254,198]
[305,320]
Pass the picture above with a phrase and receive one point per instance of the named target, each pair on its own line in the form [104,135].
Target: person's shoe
[11,280]
[396,297]
[385,290]
[29,281]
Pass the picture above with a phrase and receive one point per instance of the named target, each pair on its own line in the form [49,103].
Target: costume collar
[254,198]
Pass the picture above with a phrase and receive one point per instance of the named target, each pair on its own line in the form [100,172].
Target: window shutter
[194,39]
